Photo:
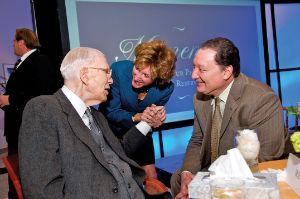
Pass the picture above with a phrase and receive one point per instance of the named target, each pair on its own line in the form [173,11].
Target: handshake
[153,115]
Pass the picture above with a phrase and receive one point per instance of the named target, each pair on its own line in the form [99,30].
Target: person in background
[32,75]
[146,82]
[66,148]
[227,101]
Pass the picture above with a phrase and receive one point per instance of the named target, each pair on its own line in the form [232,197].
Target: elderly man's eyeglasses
[106,70]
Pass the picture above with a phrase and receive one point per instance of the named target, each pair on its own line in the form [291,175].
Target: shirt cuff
[143,127]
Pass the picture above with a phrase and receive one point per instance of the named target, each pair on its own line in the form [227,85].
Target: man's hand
[4,100]
[186,178]
[154,115]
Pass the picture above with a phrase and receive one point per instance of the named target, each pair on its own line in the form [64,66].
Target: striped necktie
[92,123]
[215,130]
[95,129]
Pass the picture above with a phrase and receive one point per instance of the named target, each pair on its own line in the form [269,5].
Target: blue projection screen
[116,28]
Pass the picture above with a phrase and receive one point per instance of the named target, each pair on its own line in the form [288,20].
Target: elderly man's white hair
[76,59]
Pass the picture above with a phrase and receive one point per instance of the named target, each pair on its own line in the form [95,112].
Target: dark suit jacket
[250,105]
[35,76]
[60,159]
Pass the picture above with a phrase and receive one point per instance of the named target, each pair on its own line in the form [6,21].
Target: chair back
[155,189]
[11,163]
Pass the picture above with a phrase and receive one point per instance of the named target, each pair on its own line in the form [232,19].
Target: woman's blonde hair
[159,57]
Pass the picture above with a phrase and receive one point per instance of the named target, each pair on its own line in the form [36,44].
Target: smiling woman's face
[142,77]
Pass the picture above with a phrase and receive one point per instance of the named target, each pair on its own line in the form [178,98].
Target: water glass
[227,189]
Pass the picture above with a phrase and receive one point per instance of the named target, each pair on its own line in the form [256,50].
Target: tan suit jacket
[250,104]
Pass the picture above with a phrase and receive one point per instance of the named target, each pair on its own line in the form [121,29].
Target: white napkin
[293,173]
[232,165]
[248,144]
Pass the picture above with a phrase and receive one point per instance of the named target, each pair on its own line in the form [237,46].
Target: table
[286,192]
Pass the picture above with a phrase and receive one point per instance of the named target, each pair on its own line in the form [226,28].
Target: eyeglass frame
[106,70]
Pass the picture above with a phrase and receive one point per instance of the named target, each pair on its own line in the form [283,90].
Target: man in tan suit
[244,104]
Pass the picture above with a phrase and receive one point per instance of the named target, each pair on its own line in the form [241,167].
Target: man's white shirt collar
[223,96]
[76,102]
[25,56]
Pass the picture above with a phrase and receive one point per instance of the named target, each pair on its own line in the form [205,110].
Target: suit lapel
[152,96]
[107,134]
[230,107]
[204,111]
[232,102]
[109,137]
[26,62]
[19,74]
[207,111]
[80,130]
[126,92]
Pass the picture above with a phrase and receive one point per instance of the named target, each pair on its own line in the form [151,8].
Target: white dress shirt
[223,97]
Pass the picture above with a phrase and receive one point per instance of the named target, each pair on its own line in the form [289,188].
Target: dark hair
[227,53]
[28,36]
[159,57]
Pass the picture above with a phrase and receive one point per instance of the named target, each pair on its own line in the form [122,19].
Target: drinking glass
[247,142]
[227,188]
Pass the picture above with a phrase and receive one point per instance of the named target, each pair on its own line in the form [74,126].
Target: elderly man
[227,101]
[66,147]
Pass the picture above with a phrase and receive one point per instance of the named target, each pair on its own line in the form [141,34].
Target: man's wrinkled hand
[154,115]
